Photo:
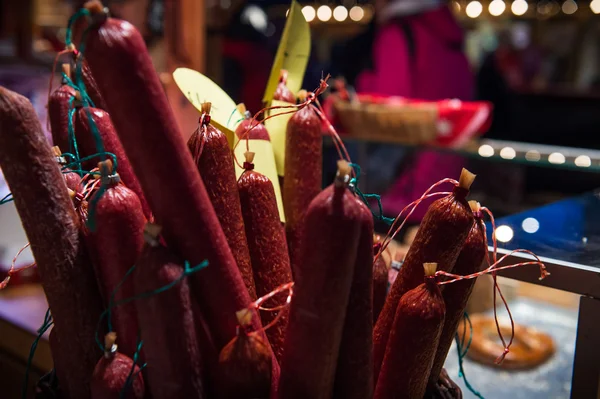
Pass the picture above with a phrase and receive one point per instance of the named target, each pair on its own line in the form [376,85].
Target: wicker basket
[406,123]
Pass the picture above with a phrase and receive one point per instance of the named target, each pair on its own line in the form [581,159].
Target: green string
[131,376]
[73,148]
[99,154]
[187,270]
[69,35]
[460,344]
[231,116]
[366,197]
[7,198]
[45,326]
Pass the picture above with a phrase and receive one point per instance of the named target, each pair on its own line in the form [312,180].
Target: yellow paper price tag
[199,89]
[264,163]
[277,127]
[292,53]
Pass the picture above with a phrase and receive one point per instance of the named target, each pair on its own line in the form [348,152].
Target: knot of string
[187,270]
[366,197]
[462,350]
[48,322]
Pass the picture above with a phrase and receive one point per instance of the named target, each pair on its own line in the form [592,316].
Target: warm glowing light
[508,153]
[309,13]
[356,13]
[519,7]
[287,12]
[556,158]
[497,7]
[340,13]
[486,151]
[474,9]
[533,155]
[530,225]
[324,13]
[583,161]
[595,6]
[569,7]
[504,233]
[456,6]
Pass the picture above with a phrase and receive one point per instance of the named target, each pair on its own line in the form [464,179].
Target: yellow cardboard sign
[277,127]
[199,89]
[292,53]
[264,163]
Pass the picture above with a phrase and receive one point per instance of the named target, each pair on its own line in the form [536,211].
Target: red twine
[289,287]
[13,270]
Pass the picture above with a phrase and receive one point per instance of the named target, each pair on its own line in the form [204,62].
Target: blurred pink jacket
[439,69]
[436,70]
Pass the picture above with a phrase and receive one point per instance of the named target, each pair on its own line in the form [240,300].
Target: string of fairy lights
[471,8]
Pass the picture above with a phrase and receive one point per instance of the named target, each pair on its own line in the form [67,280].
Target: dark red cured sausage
[380,283]
[52,227]
[111,372]
[59,368]
[58,113]
[439,239]
[354,374]
[110,140]
[303,173]
[268,248]
[148,131]
[244,369]
[174,363]
[456,295]
[211,152]
[413,341]
[91,86]
[282,92]
[323,280]
[258,131]
[114,245]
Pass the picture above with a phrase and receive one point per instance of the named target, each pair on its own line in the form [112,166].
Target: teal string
[462,352]
[69,33]
[231,116]
[97,155]
[45,326]
[73,148]
[187,270]
[86,99]
[130,376]
[7,198]
[366,197]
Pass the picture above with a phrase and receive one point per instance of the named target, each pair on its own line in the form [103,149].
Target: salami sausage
[258,131]
[413,341]
[323,280]
[168,329]
[303,173]
[110,140]
[244,369]
[380,283]
[91,86]
[52,227]
[58,113]
[148,131]
[211,152]
[440,238]
[354,374]
[267,245]
[457,294]
[111,374]
[282,92]
[114,246]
